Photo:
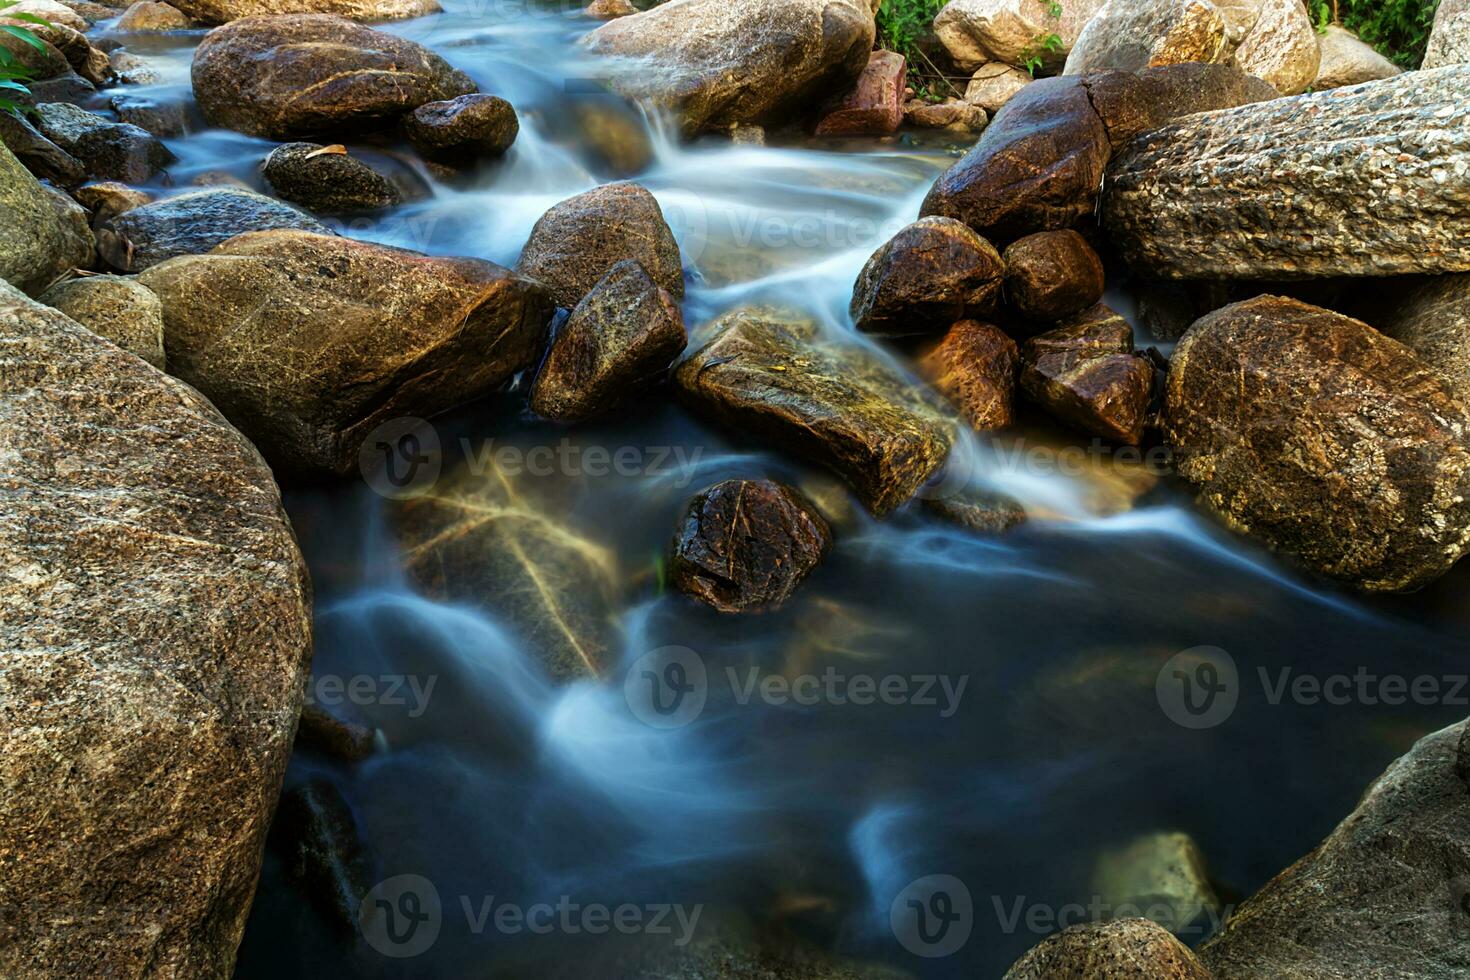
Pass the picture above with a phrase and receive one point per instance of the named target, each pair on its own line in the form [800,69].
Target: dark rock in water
[69,88]
[109,151]
[619,340]
[767,372]
[745,545]
[301,75]
[1129,104]
[321,853]
[310,342]
[327,179]
[1085,373]
[192,224]
[974,366]
[576,242]
[926,277]
[41,156]
[1431,316]
[156,657]
[1385,895]
[615,134]
[1167,309]
[987,513]
[1124,949]
[1209,197]
[164,119]
[463,129]
[479,538]
[1052,274]
[1037,168]
[110,198]
[321,731]
[874,107]
[1325,439]
[122,310]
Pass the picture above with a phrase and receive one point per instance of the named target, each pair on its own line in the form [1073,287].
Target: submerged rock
[321,853]
[464,129]
[35,238]
[930,274]
[766,372]
[874,107]
[301,75]
[574,244]
[1383,896]
[120,309]
[1085,373]
[1125,949]
[327,179]
[745,545]
[1130,35]
[1161,877]
[1324,439]
[192,224]
[982,513]
[719,64]
[1211,197]
[109,150]
[975,366]
[157,655]
[1346,60]
[1052,274]
[309,342]
[619,340]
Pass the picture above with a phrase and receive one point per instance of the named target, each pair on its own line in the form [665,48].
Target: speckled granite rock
[766,372]
[192,224]
[1346,60]
[35,239]
[1449,41]
[224,11]
[1431,316]
[1279,44]
[719,63]
[157,626]
[1259,192]
[1126,949]
[41,156]
[120,309]
[327,179]
[1130,35]
[874,107]
[109,150]
[1385,895]
[309,342]
[1324,439]
[932,273]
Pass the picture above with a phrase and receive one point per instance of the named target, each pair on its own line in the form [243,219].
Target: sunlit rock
[975,366]
[1160,876]
[932,273]
[1085,373]
[124,311]
[1127,949]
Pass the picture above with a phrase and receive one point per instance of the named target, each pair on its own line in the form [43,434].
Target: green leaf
[8,85]
[29,19]
[25,35]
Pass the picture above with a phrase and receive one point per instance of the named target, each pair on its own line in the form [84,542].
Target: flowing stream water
[1057,749]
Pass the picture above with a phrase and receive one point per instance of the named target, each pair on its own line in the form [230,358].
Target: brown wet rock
[327,179]
[1125,949]
[109,150]
[463,129]
[745,545]
[982,513]
[156,615]
[767,372]
[339,739]
[224,11]
[975,366]
[88,63]
[1449,38]
[874,107]
[619,340]
[574,244]
[309,342]
[1052,274]
[1383,896]
[930,274]
[615,134]
[109,198]
[192,224]
[1086,374]
[1130,103]
[1324,439]
[321,853]
[150,15]
[483,539]
[120,309]
[300,75]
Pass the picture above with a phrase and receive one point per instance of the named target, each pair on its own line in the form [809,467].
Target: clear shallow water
[1056,748]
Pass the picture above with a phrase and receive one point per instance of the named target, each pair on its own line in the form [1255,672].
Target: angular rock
[156,614]
[1038,166]
[327,179]
[131,69]
[301,75]
[43,62]
[41,156]
[309,342]
[574,244]
[1052,274]
[165,119]
[85,61]
[619,340]
[1130,104]
[35,238]
[718,63]
[321,853]
[874,107]
[68,87]
[1212,197]
[1125,949]
[1431,316]
[1324,439]
[463,129]
[994,84]
[109,150]
[932,273]
[1130,35]
[122,310]
[225,11]
[482,539]
[1382,896]
[979,513]
[953,115]
[1281,45]
[1085,373]
[192,224]
[975,366]
[1345,60]
[1449,39]
[745,545]
[1010,31]
[152,15]
[765,372]
[109,199]
[1160,876]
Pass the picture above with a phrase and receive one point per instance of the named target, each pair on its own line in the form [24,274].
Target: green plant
[901,23]
[13,74]
[1399,29]
[1033,57]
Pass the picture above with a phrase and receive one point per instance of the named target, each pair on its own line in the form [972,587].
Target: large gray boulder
[1008,32]
[1262,191]
[1449,41]
[155,618]
[35,238]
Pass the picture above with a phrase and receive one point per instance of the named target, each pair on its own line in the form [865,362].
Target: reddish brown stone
[926,277]
[1052,274]
[975,367]
[745,545]
[874,107]
[1086,374]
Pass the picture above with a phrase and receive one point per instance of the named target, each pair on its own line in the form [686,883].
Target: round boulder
[123,310]
[464,128]
[1052,274]
[926,277]
[1124,949]
[327,179]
